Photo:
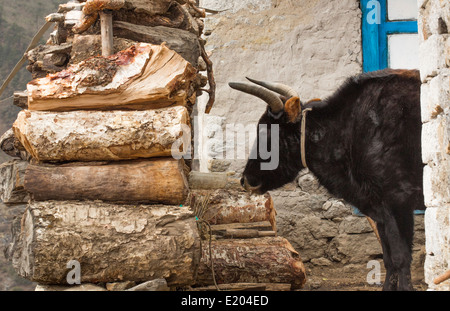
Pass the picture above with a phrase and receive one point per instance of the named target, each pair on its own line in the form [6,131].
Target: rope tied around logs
[199,208]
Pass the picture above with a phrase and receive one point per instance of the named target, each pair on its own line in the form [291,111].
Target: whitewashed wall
[434,23]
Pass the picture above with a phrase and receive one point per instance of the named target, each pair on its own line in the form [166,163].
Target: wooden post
[107,33]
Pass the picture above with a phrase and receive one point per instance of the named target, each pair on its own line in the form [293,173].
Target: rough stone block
[431,58]
[436,139]
[436,180]
[437,261]
[435,96]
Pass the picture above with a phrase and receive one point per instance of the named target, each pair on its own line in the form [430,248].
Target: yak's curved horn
[272,99]
[280,88]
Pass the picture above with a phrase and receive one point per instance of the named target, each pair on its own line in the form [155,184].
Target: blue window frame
[375,31]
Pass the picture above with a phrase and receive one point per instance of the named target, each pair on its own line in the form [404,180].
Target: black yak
[363,143]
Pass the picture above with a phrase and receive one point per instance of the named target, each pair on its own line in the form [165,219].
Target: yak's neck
[325,146]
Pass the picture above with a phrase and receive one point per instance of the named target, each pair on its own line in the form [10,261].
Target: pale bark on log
[143,76]
[102,135]
[259,260]
[12,176]
[112,243]
[181,41]
[232,206]
[151,181]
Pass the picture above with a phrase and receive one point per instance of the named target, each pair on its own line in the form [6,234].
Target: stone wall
[434,23]
[312,45]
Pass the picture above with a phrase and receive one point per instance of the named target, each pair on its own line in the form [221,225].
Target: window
[389,34]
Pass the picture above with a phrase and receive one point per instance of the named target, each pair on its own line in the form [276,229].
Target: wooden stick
[442,277]
[107,33]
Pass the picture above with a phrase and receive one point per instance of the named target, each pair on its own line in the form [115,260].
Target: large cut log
[232,206]
[160,180]
[259,260]
[181,41]
[112,243]
[102,135]
[12,176]
[141,77]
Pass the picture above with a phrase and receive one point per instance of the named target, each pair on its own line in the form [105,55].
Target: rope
[199,211]
[34,42]
[303,137]
[6,99]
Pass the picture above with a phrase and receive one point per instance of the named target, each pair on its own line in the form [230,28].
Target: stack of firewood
[101,139]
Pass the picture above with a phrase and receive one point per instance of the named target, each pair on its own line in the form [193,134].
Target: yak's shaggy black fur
[364,145]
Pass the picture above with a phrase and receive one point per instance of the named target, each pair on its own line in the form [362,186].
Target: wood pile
[95,147]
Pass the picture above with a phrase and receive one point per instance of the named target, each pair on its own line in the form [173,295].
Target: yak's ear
[293,109]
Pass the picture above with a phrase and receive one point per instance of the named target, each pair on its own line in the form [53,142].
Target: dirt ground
[350,278]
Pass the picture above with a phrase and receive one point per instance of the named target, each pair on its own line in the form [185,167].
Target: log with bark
[102,135]
[48,59]
[143,76]
[181,41]
[227,206]
[112,243]
[12,174]
[160,180]
[259,260]
[10,145]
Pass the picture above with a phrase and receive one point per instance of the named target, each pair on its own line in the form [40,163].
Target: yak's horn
[272,99]
[280,88]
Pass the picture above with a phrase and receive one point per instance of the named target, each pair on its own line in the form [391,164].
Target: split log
[260,260]
[12,176]
[232,206]
[102,135]
[141,77]
[112,243]
[160,180]
[181,41]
